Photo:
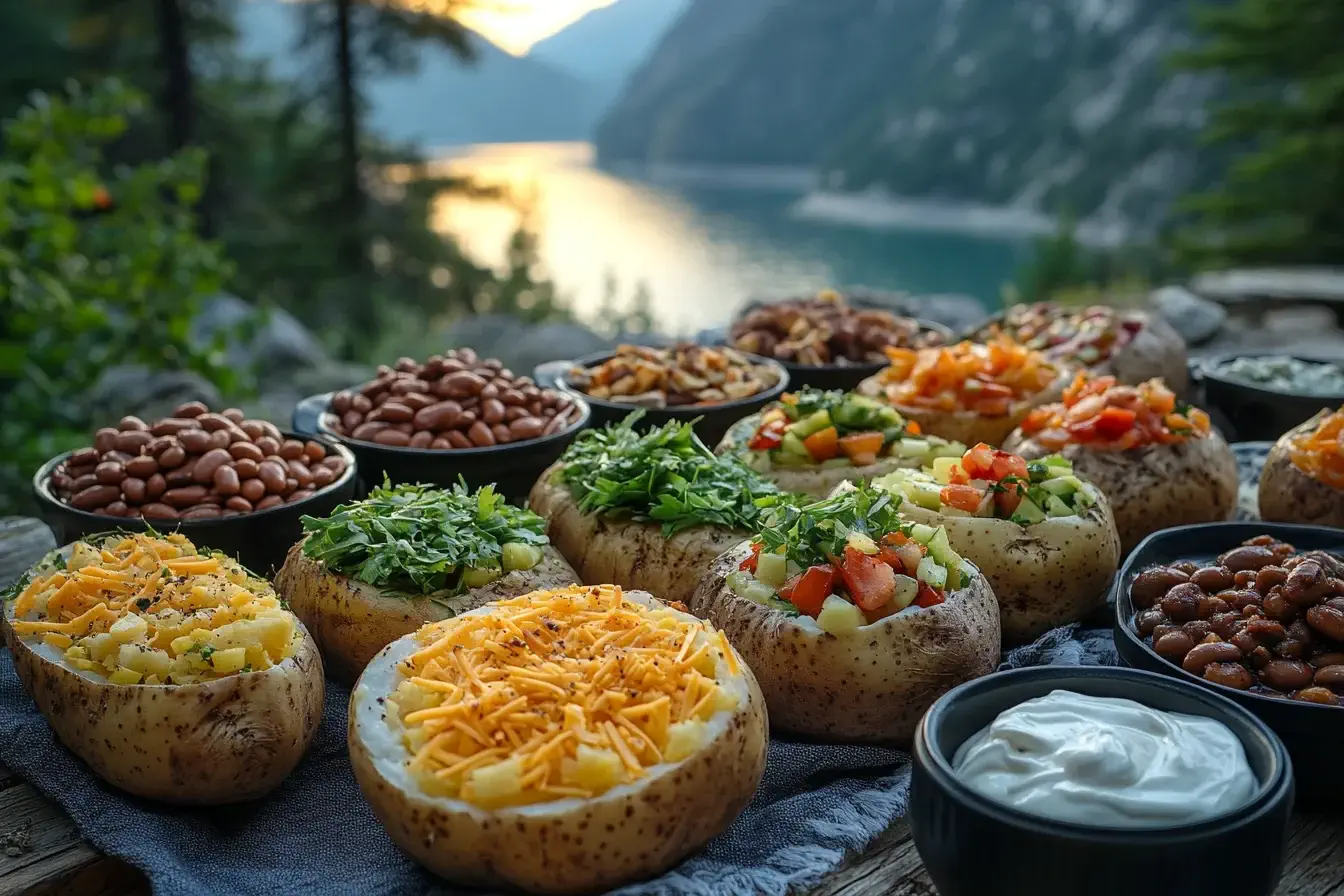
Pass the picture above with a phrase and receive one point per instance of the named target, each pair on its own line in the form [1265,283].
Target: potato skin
[1055,572]
[1288,495]
[968,427]
[223,741]
[870,687]
[351,621]
[1157,350]
[1154,487]
[633,555]
[633,832]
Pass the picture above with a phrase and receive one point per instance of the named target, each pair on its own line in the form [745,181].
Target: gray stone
[280,342]
[1196,320]
[146,393]
[552,342]
[1289,284]
[23,542]
[488,334]
[959,312]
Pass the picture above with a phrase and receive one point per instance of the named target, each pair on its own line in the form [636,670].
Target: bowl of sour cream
[1097,781]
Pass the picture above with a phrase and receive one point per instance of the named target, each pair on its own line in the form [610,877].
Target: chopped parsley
[418,539]
[816,532]
[143,603]
[663,475]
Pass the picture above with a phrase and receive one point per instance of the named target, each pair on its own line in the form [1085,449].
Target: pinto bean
[1181,603]
[1202,655]
[1213,578]
[1232,675]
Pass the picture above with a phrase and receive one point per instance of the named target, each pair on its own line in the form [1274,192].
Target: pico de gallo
[987,482]
[1318,452]
[840,429]
[1098,412]
[848,560]
[986,379]
[1087,336]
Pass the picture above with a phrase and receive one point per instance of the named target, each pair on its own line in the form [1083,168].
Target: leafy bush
[100,264]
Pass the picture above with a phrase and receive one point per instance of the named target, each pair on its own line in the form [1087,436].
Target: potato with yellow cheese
[567,741]
[176,675]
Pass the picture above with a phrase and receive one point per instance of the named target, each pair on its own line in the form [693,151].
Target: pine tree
[1282,199]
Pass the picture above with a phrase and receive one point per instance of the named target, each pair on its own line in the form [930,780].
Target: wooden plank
[885,864]
[1315,862]
[102,877]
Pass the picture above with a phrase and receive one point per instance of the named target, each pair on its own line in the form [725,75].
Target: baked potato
[968,392]
[646,510]
[1303,477]
[1159,463]
[381,568]
[615,774]
[853,620]
[1132,345]
[811,441]
[175,676]
[1043,538]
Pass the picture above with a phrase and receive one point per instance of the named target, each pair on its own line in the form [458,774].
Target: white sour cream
[1107,762]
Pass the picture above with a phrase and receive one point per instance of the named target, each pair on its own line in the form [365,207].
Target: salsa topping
[663,475]
[816,427]
[1318,452]
[987,482]
[1088,336]
[150,609]
[685,374]
[557,694]
[984,379]
[423,540]
[1105,416]
[1283,374]
[848,560]
[826,330]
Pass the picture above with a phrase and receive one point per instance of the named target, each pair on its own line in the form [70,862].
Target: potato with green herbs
[646,510]
[383,567]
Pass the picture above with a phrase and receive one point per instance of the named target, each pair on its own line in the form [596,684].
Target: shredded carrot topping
[1319,452]
[144,609]
[557,694]
[985,379]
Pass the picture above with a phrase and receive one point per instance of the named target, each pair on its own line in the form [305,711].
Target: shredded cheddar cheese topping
[144,609]
[557,694]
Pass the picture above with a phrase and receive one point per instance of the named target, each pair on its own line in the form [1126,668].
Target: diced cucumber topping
[942,467]
[941,550]
[839,617]
[939,448]
[966,571]
[791,444]
[836,463]
[1056,507]
[1062,485]
[772,569]
[928,495]
[1084,498]
[520,556]
[745,585]
[907,589]
[1028,512]
[931,573]
[1059,462]
[860,541]
[910,448]
[812,423]
[922,534]
[473,577]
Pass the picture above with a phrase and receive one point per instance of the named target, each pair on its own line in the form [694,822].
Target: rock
[23,542]
[148,394]
[552,342]
[1291,284]
[279,343]
[488,334]
[958,312]
[1196,320]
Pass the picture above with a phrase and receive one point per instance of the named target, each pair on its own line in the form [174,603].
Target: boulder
[23,542]
[146,393]
[267,340]
[1196,320]
[958,312]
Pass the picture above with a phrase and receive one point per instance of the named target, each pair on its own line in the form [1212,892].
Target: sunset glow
[515,25]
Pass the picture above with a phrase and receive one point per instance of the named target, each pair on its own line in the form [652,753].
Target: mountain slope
[609,43]
[1047,104]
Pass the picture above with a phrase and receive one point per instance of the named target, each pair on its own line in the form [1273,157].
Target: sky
[515,25]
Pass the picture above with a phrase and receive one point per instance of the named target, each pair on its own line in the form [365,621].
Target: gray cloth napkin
[316,835]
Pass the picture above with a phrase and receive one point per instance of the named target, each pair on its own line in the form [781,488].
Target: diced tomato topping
[928,596]
[1006,465]
[892,557]
[1098,412]
[913,428]
[895,538]
[749,564]
[962,497]
[1006,501]
[768,436]
[1115,422]
[870,582]
[823,444]
[978,461]
[861,447]
[809,589]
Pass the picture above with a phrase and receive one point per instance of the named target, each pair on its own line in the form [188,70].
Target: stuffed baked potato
[602,771]
[1303,477]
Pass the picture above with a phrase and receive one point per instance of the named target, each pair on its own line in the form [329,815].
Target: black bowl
[973,846]
[715,419]
[1309,731]
[511,468]
[258,540]
[847,377]
[1257,413]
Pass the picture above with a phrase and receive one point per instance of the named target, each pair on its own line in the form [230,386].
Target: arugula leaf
[418,539]
[664,475]
[812,533]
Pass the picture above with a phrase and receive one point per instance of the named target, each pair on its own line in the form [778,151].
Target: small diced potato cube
[230,660]
[76,653]
[593,769]
[84,665]
[124,676]
[144,660]
[411,697]
[683,739]
[58,640]
[152,679]
[100,646]
[128,628]
[498,784]
[724,700]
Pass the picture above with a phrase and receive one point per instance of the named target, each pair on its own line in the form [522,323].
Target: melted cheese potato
[142,609]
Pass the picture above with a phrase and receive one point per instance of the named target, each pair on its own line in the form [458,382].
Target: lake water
[700,242]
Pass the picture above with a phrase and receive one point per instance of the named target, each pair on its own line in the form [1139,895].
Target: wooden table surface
[41,853]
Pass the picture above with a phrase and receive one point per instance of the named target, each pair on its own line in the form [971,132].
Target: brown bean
[132,441]
[1197,629]
[252,489]
[291,449]
[119,456]
[1148,620]
[95,497]
[1240,600]
[1244,578]
[350,420]
[323,477]
[462,384]
[480,435]
[132,423]
[272,474]
[171,426]
[554,425]
[157,511]
[1327,658]
[1317,695]
[1203,654]
[361,403]
[468,417]
[492,410]
[489,390]
[1181,603]
[299,470]
[1330,677]
[1210,605]
[110,472]
[141,467]
[1329,621]
[302,494]
[208,463]
[335,463]
[1290,649]
[226,480]
[246,450]
[418,401]
[1174,646]
[1232,675]
[1225,625]
[1248,557]
[268,444]
[201,512]
[116,508]
[438,417]
[1213,578]
[407,385]
[234,415]
[105,439]
[340,402]
[1266,631]
[1307,584]
[365,432]
[246,468]
[465,355]
[392,437]
[191,409]
[458,439]
[213,422]
[441,443]
[408,428]
[195,440]
[392,412]
[238,503]
[79,483]
[185,496]
[514,412]
[268,502]
[314,451]
[133,490]
[1286,675]
[1269,576]
[501,433]
[155,486]
[512,397]
[421,438]
[85,456]
[219,439]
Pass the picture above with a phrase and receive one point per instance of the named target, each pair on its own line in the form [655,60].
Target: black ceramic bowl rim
[688,411]
[939,767]
[42,488]
[1207,369]
[585,413]
[1124,611]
